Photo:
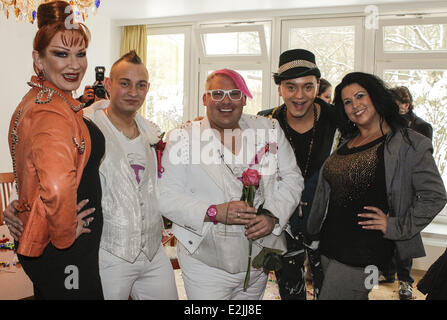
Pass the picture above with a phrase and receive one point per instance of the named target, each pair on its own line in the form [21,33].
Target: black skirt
[73,273]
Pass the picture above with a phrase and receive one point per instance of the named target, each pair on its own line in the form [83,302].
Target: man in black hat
[310,125]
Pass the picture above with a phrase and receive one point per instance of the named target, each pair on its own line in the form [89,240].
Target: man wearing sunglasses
[202,197]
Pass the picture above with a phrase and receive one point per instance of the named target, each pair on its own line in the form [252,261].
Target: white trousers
[141,280]
[203,282]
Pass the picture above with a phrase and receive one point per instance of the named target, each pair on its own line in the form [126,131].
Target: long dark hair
[381,98]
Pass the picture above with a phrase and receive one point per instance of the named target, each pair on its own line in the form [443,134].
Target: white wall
[99,49]
[16,40]
[15,69]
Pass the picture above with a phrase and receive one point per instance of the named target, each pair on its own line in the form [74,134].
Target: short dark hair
[131,57]
[380,96]
[403,95]
[324,84]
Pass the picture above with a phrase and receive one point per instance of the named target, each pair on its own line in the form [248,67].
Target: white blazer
[190,185]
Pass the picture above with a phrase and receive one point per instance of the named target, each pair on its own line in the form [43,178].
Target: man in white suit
[201,188]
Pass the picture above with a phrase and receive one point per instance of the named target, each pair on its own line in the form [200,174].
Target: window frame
[187,69]
[261,58]
[382,55]
[208,63]
[356,21]
[410,61]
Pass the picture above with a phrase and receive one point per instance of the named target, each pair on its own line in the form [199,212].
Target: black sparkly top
[357,179]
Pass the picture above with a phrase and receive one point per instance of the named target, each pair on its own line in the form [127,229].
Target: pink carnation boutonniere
[159,148]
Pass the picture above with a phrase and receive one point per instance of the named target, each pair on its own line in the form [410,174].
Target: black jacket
[298,223]
[419,125]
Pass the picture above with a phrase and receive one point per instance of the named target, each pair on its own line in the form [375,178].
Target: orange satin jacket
[50,145]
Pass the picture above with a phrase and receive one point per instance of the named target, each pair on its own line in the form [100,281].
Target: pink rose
[251,177]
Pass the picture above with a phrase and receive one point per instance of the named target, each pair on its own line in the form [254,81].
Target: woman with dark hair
[375,193]
[56,154]
[325,90]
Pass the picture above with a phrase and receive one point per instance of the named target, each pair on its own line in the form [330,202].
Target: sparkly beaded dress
[357,179]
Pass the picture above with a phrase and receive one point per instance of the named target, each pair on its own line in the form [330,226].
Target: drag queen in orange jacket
[56,154]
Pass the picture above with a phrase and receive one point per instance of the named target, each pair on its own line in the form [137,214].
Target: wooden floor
[389,291]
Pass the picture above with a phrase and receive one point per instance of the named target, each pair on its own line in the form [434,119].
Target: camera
[98,87]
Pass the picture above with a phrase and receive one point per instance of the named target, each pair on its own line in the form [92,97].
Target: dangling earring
[41,77]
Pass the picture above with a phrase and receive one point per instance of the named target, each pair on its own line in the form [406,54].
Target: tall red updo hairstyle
[54,17]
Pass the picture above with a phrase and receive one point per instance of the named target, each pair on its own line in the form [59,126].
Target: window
[336,43]
[254,83]
[414,38]
[167,53]
[429,92]
[232,43]
[241,48]
[413,53]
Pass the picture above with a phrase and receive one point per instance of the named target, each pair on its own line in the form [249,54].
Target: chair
[174,260]
[6,182]
[169,242]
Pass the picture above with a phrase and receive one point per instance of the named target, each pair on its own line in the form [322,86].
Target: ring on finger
[238,214]
[86,223]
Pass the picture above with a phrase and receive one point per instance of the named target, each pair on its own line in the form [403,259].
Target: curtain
[135,38]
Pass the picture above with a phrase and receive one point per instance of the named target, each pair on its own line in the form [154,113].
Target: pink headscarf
[237,79]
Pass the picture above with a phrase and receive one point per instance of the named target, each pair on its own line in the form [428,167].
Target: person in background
[202,198]
[310,126]
[56,154]
[88,97]
[404,100]
[376,193]
[325,91]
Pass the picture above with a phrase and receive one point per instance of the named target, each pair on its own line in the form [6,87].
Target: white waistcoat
[132,222]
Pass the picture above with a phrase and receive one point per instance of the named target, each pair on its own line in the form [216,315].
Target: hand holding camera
[89,94]
[99,88]
[97,91]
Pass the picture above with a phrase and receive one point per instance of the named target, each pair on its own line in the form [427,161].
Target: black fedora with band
[296,63]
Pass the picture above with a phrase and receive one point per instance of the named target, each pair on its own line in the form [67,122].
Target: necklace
[50,93]
[358,144]
[135,131]
[309,152]
[38,100]
[289,137]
